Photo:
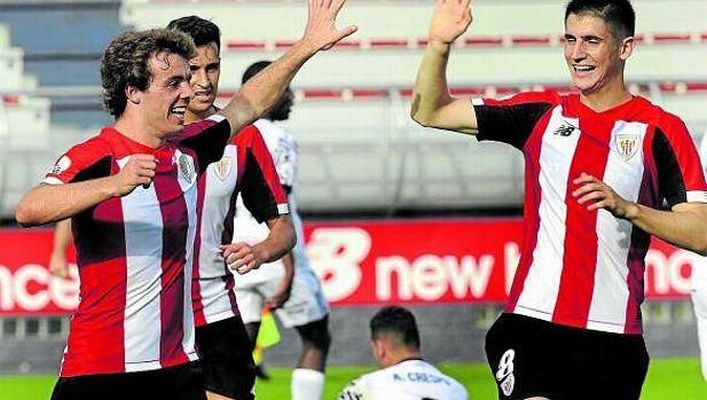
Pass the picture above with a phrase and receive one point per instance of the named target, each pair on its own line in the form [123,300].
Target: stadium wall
[453,273]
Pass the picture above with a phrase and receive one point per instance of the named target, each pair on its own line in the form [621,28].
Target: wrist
[439,45]
[632,211]
[306,47]
[112,188]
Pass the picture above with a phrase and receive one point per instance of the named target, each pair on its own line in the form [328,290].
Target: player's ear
[378,350]
[626,48]
[133,94]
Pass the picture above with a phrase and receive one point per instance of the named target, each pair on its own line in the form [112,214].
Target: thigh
[250,303]
[307,302]
[179,383]
[522,355]
[608,366]
[226,360]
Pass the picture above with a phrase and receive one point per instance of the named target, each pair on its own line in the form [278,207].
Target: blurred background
[395,213]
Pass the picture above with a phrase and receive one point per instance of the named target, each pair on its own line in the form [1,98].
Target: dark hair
[398,321]
[253,70]
[126,62]
[617,14]
[201,30]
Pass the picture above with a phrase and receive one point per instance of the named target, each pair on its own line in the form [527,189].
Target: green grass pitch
[667,379]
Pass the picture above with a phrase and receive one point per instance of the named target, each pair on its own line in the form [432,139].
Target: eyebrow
[583,37]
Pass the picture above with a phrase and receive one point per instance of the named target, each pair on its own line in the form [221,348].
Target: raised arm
[432,104]
[263,90]
[45,203]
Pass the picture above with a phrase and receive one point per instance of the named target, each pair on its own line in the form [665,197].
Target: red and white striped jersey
[585,268]
[134,253]
[246,168]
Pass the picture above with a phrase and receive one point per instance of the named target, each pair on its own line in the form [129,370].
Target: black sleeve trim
[671,185]
[257,196]
[510,124]
[209,144]
[99,169]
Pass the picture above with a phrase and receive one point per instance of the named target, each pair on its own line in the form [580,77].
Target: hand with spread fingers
[241,257]
[599,195]
[450,19]
[321,30]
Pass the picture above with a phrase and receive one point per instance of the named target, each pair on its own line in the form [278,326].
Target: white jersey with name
[407,380]
[284,151]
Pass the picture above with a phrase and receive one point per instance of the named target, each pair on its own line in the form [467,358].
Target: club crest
[185,167]
[627,144]
[223,167]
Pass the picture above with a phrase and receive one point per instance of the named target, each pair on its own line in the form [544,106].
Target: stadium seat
[4,37]
[251,19]
[12,71]
[24,121]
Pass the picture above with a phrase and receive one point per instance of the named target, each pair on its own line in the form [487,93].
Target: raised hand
[450,19]
[600,195]
[241,257]
[321,32]
[139,170]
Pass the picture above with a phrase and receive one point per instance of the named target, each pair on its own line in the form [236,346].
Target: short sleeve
[260,186]
[89,160]
[353,391]
[206,138]
[680,175]
[512,120]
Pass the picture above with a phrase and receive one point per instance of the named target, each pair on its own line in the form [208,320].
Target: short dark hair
[126,62]
[398,321]
[617,14]
[253,70]
[201,30]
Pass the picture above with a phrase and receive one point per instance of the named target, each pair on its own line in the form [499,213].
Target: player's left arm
[265,198]
[684,226]
[262,91]
[243,257]
[680,182]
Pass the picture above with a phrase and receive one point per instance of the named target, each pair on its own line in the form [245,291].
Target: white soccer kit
[306,302]
[407,380]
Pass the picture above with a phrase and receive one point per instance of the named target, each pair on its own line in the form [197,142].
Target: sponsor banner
[369,262]
[448,261]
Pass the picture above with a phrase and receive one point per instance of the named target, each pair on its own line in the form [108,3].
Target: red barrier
[369,262]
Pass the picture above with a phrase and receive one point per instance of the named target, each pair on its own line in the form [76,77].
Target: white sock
[307,384]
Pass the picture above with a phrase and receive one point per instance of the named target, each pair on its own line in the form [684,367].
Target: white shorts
[305,305]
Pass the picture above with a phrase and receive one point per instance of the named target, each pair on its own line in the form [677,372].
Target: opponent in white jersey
[405,375]
[289,286]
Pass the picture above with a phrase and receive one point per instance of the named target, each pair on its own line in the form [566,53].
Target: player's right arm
[48,203]
[62,236]
[432,104]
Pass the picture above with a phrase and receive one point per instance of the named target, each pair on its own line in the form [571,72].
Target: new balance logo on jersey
[564,130]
